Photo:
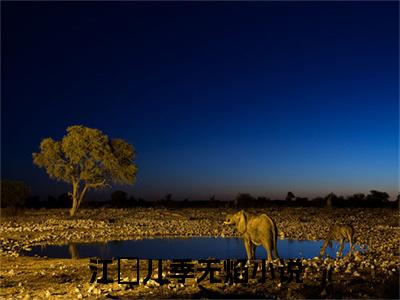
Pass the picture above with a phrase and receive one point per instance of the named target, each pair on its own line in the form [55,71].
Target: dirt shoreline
[373,274]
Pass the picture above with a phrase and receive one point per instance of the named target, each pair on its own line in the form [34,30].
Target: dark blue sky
[217,98]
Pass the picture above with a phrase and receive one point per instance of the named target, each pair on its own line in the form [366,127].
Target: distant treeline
[16,195]
[245,200]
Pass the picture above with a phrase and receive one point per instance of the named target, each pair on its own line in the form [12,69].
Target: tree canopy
[87,159]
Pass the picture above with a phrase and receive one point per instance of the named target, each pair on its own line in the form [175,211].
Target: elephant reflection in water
[73,251]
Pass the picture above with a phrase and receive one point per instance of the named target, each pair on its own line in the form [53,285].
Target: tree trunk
[74,208]
[80,198]
[75,201]
[77,198]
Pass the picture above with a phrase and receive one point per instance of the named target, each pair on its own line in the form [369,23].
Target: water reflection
[193,248]
[73,251]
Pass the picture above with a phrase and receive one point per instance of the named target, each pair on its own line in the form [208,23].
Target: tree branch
[82,194]
[96,185]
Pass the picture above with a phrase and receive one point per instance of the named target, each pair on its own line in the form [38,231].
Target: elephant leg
[276,249]
[351,246]
[321,252]
[341,248]
[251,257]
[253,251]
[268,250]
[248,246]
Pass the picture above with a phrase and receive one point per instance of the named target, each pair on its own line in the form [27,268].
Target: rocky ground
[373,274]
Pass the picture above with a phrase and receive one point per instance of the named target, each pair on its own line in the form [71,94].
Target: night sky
[217,98]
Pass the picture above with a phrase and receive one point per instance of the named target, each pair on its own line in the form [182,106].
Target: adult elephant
[255,231]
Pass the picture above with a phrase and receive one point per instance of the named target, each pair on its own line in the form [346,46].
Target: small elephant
[255,231]
[338,233]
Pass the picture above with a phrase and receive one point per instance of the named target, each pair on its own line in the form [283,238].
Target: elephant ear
[242,224]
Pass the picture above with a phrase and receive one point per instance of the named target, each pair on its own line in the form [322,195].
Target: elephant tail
[275,240]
